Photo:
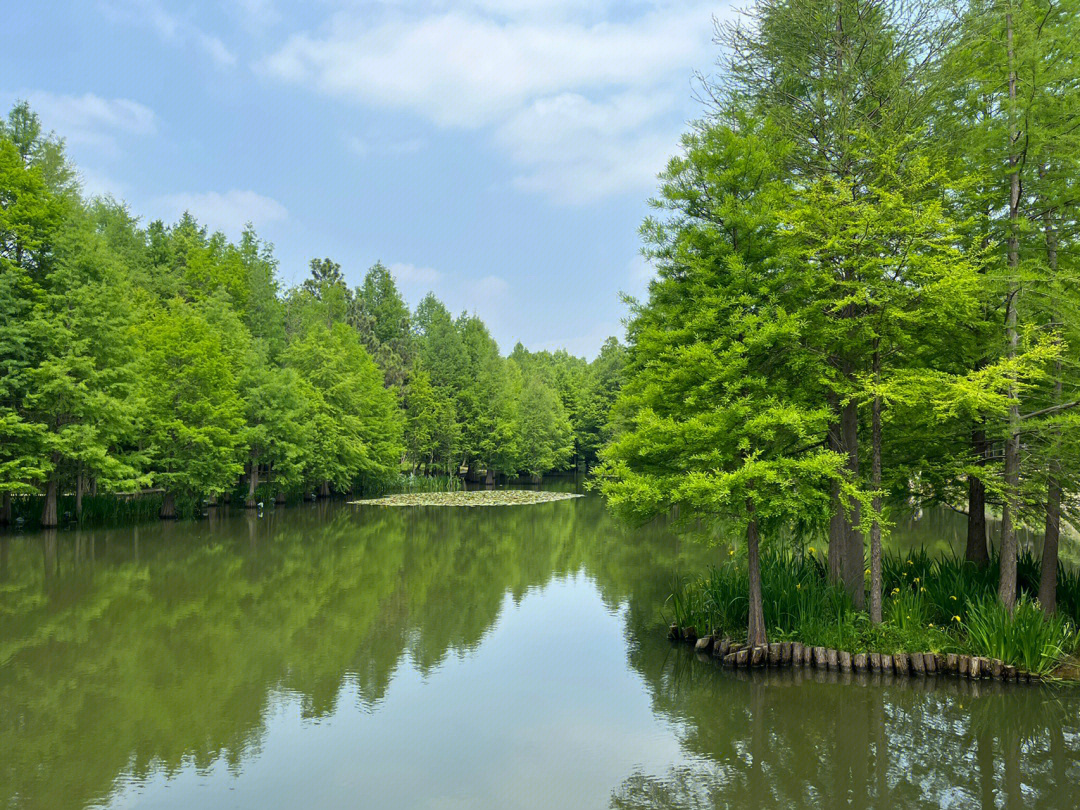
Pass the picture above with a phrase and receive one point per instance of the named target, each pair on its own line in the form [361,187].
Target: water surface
[333,656]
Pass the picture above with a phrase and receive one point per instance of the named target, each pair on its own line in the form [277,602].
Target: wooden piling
[964,666]
[918,666]
[901,664]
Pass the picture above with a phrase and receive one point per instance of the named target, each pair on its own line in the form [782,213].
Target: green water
[329,656]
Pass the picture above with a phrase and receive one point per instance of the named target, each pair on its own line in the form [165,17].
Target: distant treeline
[168,357]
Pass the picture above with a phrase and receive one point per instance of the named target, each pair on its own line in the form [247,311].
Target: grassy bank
[930,604]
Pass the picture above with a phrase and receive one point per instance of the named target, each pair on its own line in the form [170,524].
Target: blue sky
[498,152]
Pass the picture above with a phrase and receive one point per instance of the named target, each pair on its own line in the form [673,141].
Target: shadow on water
[132,656]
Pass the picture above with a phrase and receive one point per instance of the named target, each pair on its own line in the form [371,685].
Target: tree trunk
[253,480]
[854,581]
[977,551]
[48,512]
[5,510]
[1051,535]
[755,632]
[1007,579]
[168,507]
[324,490]
[875,484]
[1052,532]
[837,535]
[80,485]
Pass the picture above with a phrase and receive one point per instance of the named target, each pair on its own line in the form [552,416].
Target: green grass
[929,605]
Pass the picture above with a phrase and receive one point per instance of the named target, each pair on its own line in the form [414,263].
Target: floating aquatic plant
[487,497]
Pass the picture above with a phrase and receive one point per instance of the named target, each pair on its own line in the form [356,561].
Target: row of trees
[867,283]
[168,357]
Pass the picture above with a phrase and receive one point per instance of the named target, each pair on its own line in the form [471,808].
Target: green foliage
[800,604]
[190,409]
[170,357]
[867,289]
[1027,637]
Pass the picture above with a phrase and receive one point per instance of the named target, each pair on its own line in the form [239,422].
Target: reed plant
[942,604]
[1028,638]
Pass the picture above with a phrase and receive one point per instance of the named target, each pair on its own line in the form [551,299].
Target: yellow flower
[953,598]
[731,552]
[922,590]
[895,591]
[798,586]
[931,624]
[956,618]
[811,549]
[868,572]
[917,579]
[910,562]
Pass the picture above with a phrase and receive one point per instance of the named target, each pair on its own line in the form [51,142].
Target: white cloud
[171,27]
[90,121]
[75,114]
[227,212]
[577,150]
[584,98]
[465,69]
[487,290]
[365,147]
[413,279]
[257,15]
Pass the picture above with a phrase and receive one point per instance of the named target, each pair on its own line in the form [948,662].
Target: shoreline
[731,654]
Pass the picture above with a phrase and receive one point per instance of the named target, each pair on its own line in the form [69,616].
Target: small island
[488,497]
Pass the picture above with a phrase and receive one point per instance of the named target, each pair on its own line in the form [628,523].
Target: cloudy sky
[498,152]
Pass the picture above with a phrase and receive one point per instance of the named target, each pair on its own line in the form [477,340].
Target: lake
[336,656]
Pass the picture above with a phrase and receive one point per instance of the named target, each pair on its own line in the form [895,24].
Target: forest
[866,298]
[164,365]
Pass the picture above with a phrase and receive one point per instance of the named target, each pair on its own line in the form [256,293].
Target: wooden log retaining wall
[795,654]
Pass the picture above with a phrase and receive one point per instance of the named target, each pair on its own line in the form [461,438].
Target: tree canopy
[167,357]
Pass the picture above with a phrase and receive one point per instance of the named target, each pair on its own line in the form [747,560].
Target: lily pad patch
[483,497]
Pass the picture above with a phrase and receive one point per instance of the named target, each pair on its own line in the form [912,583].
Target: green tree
[192,415]
[354,420]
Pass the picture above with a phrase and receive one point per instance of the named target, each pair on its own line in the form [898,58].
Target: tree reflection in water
[132,653]
[804,738]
